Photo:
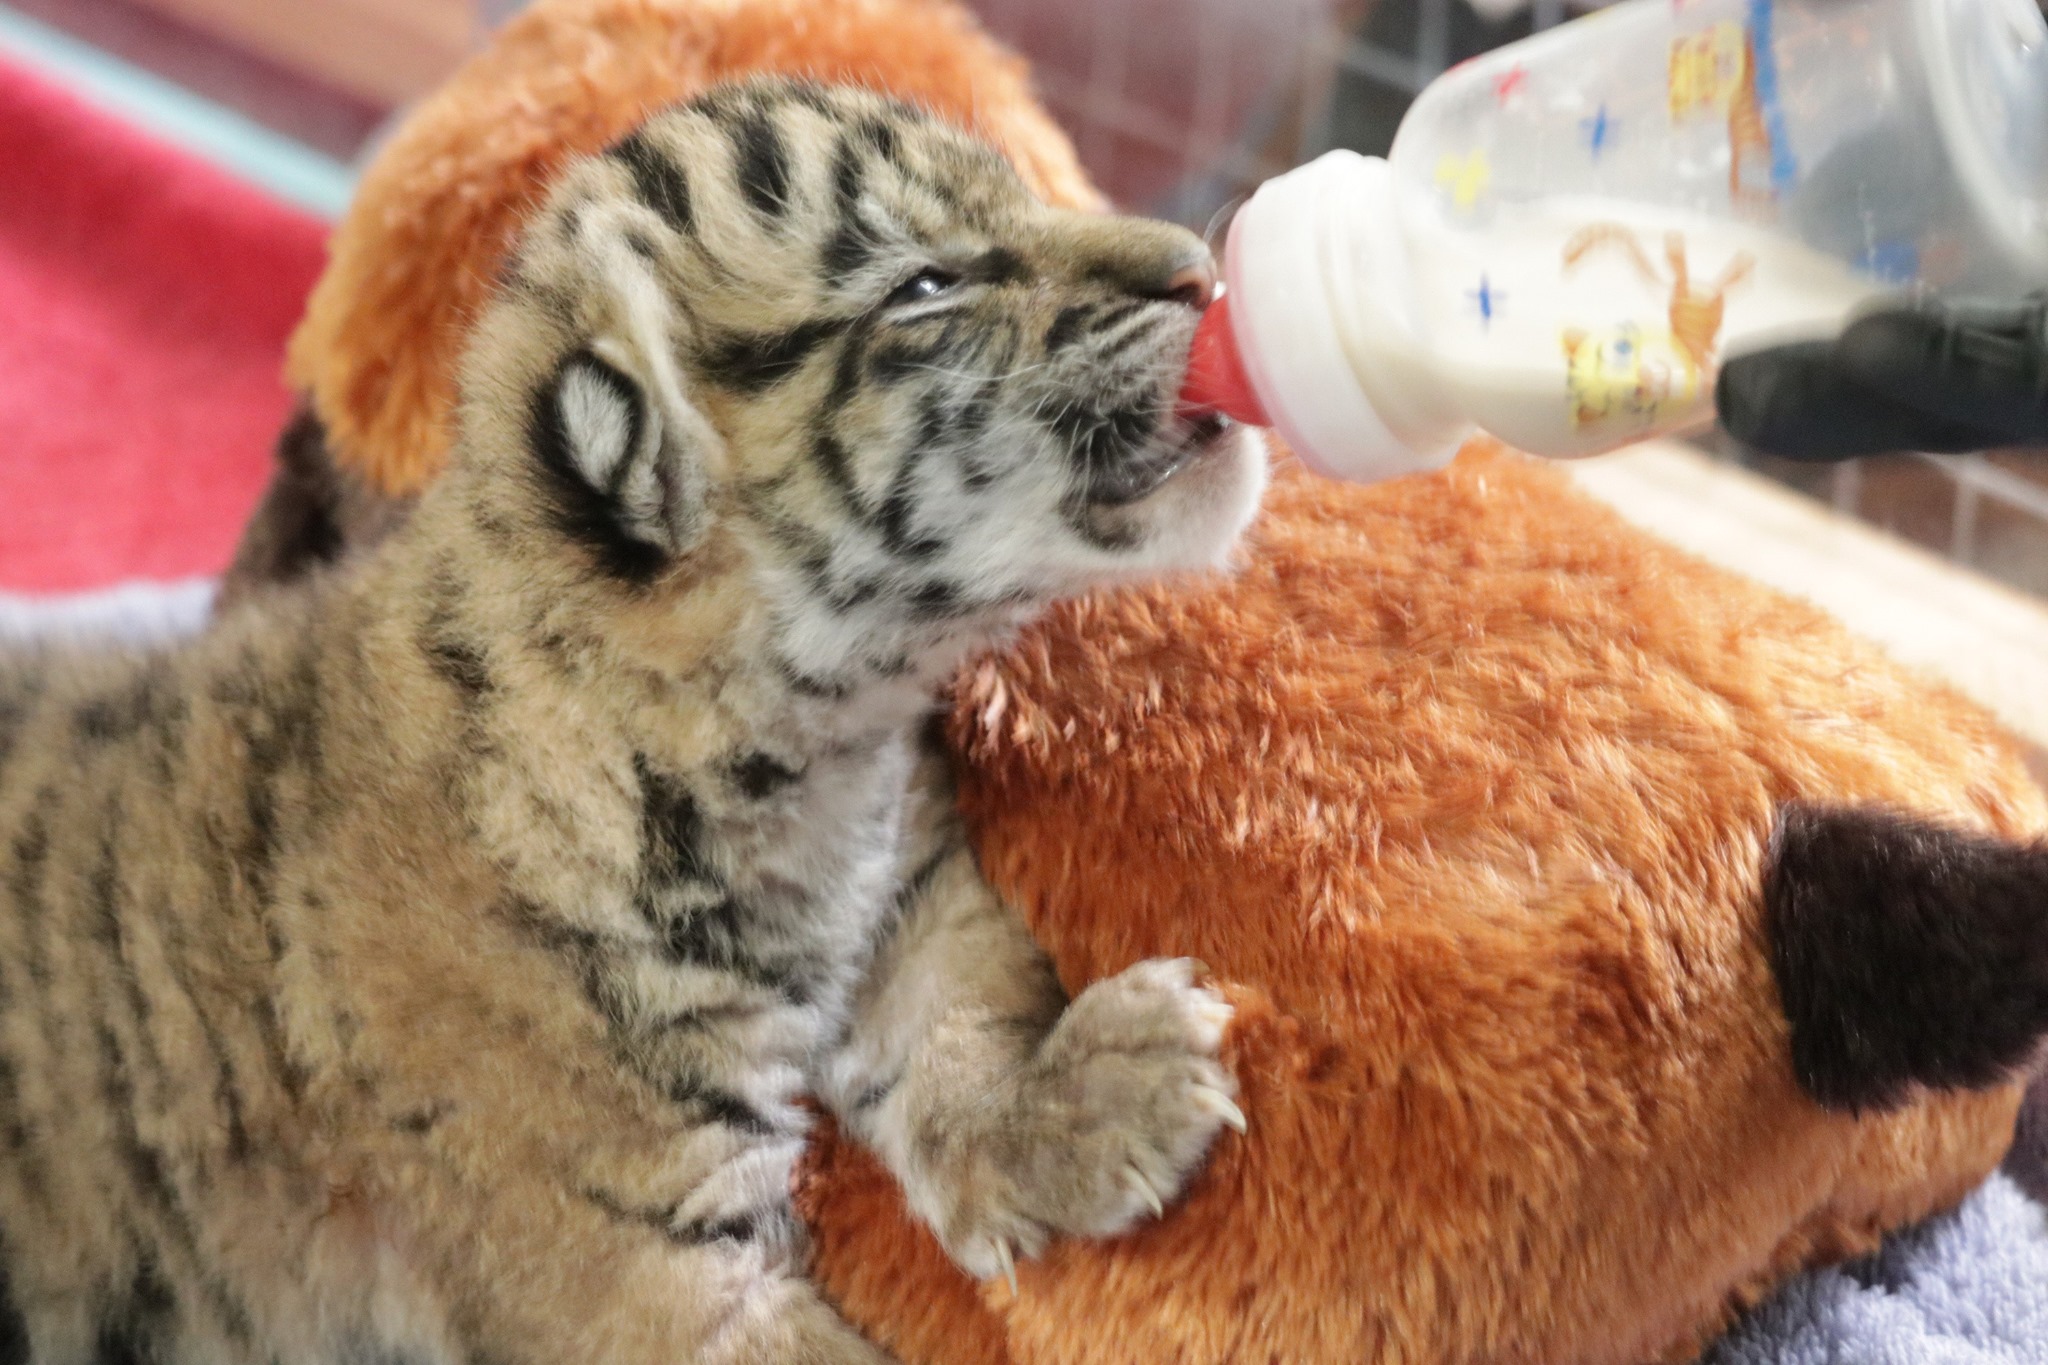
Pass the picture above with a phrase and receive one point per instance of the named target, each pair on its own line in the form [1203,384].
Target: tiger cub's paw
[1113,1116]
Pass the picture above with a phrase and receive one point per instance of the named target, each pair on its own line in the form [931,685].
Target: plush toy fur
[382,331]
[1465,787]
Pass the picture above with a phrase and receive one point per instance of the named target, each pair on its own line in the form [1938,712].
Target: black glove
[1942,375]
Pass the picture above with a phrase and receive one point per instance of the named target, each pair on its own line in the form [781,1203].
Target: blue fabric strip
[288,169]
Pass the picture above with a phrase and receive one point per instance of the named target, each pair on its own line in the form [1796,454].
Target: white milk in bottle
[1572,232]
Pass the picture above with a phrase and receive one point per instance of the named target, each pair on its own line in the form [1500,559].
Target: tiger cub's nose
[1143,258]
[1193,284]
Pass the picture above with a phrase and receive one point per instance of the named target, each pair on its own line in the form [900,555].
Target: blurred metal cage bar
[1180,107]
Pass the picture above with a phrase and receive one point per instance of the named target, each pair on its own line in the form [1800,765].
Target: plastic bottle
[1571,232]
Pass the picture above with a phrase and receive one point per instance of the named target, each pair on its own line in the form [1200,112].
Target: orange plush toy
[1521,840]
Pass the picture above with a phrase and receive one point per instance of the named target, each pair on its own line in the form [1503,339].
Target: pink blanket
[144,302]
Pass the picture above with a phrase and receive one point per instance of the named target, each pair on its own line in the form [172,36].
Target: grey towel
[1967,1288]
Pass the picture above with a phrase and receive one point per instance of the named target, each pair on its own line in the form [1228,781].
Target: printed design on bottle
[1708,71]
[1714,73]
[1488,299]
[1638,373]
[1625,372]
[1599,130]
[1464,178]
[1765,106]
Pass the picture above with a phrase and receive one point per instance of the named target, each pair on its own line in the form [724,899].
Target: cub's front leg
[1007,1113]
[539,1274]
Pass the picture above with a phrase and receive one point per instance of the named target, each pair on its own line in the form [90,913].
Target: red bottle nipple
[1216,381]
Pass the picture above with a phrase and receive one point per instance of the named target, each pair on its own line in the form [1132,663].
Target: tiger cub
[426,964]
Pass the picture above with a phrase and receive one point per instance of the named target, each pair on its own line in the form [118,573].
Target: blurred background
[1178,107]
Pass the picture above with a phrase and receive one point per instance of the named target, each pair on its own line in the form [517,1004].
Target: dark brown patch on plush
[312,514]
[1905,953]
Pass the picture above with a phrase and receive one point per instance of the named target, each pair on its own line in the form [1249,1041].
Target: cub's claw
[1222,1106]
[1008,1264]
[1135,1180]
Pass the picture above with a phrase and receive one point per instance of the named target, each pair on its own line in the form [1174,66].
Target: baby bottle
[1571,232]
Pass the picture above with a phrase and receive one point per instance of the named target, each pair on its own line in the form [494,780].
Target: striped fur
[426,965]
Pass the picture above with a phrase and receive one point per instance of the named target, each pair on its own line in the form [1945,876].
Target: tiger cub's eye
[926,284]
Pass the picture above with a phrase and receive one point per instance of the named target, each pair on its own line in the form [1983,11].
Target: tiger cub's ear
[625,452]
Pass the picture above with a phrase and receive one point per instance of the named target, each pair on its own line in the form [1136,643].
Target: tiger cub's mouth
[1180,440]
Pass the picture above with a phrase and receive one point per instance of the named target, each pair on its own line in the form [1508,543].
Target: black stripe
[1138,334]
[874,1095]
[419,1122]
[13,1326]
[1114,316]
[998,265]
[939,187]
[1066,326]
[742,1227]
[998,347]
[672,830]
[27,890]
[306,718]
[132,1325]
[280,720]
[206,842]
[895,358]
[752,362]
[707,1016]
[460,662]
[149,1177]
[102,720]
[461,665]
[1098,439]
[843,597]
[837,466]
[974,419]
[589,957]
[105,892]
[848,180]
[807,93]
[941,599]
[227,1092]
[921,878]
[18,1143]
[762,162]
[848,366]
[880,135]
[25,879]
[804,543]
[713,1104]
[810,684]
[759,776]
[557,302]
[15,709]
[922,344]
[739,1227]
[658,181]
[893,519]
[715,938]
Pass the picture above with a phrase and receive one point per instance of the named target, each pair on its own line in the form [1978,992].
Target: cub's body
[426,964]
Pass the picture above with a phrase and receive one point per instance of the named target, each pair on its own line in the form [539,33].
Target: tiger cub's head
[846,334]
